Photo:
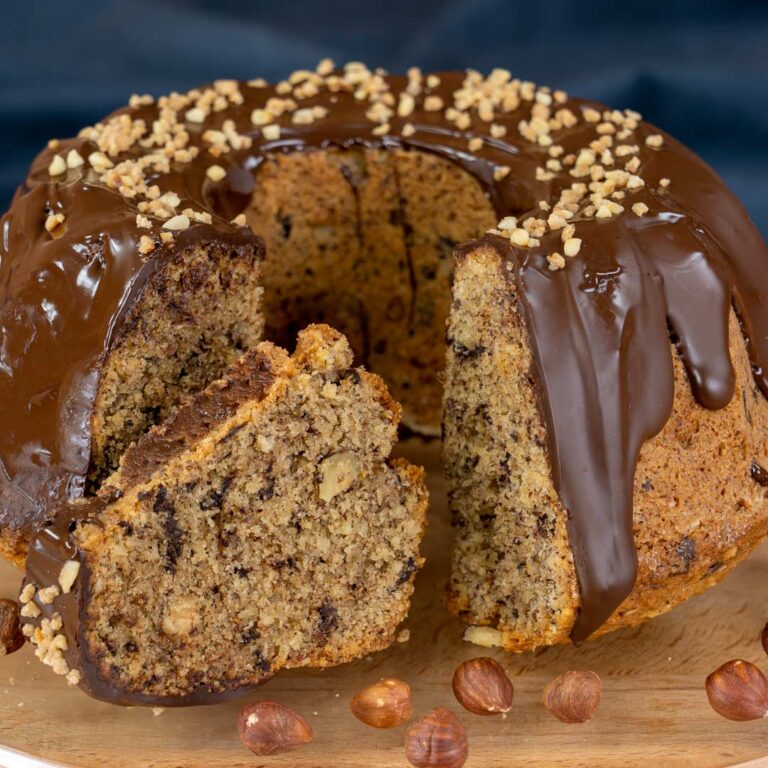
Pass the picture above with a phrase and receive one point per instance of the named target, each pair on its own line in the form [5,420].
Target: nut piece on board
[437,741]
[268,728]
[481,685]
[574,696]
[738,690]
[385,704]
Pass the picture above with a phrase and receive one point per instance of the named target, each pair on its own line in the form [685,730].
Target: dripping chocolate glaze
[598,328]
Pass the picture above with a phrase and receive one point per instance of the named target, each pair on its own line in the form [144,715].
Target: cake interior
[283,538]
[363,239]
[197,314]
[512,564]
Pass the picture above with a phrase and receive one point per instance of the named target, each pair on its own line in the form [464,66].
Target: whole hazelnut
[574,696]
[267,728]
[385,704]
[481,685]
[738,690]
[764,638]
[11,637]
[437,741]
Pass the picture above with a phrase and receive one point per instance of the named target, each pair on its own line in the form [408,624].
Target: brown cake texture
[607,337]
[261,527]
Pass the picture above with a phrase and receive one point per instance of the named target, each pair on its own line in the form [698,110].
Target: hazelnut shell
[481,685]
[738,690]
[385,704]
[268,728]
[574,696]
[437,741]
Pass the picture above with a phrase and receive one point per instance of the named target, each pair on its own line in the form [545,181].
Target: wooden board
[654,710]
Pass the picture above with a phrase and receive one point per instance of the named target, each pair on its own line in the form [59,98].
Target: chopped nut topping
[74,159]
[73,677]
[639,209]
[58,166]
[498,131]
[501,172]
[664,183]
[146,245]
[655,140]
[433,104]
[325,67]
[177,222]
[195,115]
[240,220]
[408,130]
[303,116]
[475,144]
[406,105]
[519,237]
[47,595]
[53,221]
[261,117]
[215,173]
[555,261]
[572,246]
[99,161]
[271,132]
[68,575]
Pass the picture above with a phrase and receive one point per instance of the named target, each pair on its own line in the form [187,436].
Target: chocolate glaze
[599,329]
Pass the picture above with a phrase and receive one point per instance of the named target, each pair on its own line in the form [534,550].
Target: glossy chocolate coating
[599,327]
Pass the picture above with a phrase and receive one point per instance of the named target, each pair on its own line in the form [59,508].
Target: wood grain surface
[654,710]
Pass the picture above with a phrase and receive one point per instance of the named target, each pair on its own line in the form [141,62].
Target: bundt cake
[261,527]
[602,427]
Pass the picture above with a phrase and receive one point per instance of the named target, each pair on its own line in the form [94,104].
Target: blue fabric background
[699,69]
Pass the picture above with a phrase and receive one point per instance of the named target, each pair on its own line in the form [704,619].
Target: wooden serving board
[654,710]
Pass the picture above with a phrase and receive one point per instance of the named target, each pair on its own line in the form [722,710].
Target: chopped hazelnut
[57,166]
[68,575]
[74,159]
[271,132]
[195,115]
[177,223]
[555,261]
[519,237]
[54,220]
[215,173]
[572,246]
[146,245]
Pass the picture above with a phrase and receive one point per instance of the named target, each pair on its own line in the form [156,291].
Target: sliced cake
[261,527]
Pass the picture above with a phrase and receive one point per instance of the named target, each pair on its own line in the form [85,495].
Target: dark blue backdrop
[697,68]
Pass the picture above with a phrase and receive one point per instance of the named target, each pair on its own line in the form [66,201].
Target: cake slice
[262,527]
[515,576]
